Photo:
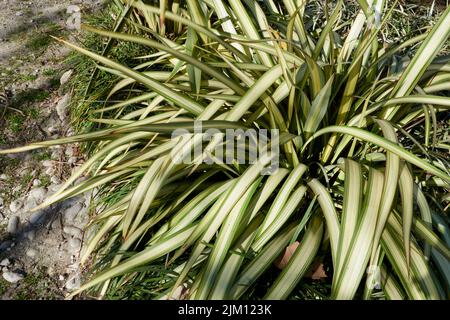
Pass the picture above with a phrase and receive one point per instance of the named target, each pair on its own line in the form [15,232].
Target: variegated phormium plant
[364,172]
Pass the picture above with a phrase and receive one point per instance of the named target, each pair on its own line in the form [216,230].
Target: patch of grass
[27,77]
[26,179]
[31,95]
[49,72]
[37,286]
[3,287]
[41,156]
[38,41]
[41,39]
[33,113]
[45,180]
[15,122]
[54,82]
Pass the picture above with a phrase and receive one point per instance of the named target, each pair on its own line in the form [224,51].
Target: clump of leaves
[355,187]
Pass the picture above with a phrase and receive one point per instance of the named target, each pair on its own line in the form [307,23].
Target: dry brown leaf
[283,259]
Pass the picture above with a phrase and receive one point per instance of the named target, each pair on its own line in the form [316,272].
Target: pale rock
[56,154]
[55,187]
[15,206]
[69,151]
[61,107]
[5,262]
[72,212]
[51,271]
[55,180]
[13,225]
[37,194]
[47,163]
[32,253]
[72,160]
[75,243]
[56,224]
[73,231]
[31,235]
[12,277]
[52,130]
[36,183]
[65,77]
[30,204]
[73,282]
[23,173]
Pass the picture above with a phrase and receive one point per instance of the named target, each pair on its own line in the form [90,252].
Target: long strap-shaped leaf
[147,255]
[350,274]
[299,262]
[382,142]
[422,59]
[331,217]
[256,267]
[171,95]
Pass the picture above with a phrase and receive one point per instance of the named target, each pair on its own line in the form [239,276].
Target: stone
[69,151]
[49,171]
[56,224]
[37,194]
[55,180]
[12,277]
[13,225]
[61,107]
[31,235]
[72,212]
[56,154]
[30,204]
[19,13]
[74,282]
[32,253]
[73,231]
[47,163]
[23,173]
[36,183]
[15,206]
[65,77]
[52,130]
[72,160]
[3,176]
[37,217]
[51,271]
[55,187]
[5,262]
[75,243]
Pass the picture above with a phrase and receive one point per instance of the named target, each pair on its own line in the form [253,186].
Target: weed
[15,122]
[49,72]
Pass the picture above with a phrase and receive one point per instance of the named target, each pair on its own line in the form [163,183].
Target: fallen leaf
[283,259]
